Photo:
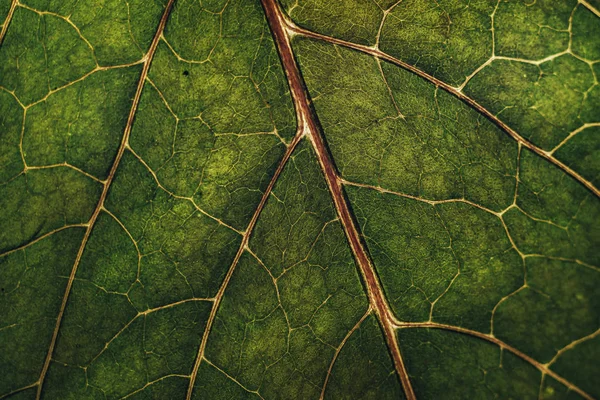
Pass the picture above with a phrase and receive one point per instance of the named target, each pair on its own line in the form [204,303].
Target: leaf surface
[304,199]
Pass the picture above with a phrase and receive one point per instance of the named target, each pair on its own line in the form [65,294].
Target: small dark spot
[186,73]
[1,289]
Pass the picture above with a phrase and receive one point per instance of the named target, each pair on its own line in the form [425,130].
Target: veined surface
[304,199]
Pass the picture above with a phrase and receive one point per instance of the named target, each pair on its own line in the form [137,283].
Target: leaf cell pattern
[242,199]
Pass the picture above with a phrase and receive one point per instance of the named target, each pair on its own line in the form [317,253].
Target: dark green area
[137,356]
[228,75]
[448,41]
[181,252]
[4,7]
[117,32]
[57,130]
[451,365]
[581,153]
[38,202]
[11,120]
[451,263]
[584,355]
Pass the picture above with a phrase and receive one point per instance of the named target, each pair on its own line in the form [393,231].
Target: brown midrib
[121,150]
[308,119]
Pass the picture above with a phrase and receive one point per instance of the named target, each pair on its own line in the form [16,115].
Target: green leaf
[233,199]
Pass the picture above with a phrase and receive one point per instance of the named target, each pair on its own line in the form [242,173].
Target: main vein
[547,155]
[107,183]
[281,34]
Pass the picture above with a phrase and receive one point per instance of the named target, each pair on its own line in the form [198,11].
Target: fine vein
[107,183]
[339,349]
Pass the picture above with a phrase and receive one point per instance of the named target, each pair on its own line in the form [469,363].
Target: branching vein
[90,225]
[293,29]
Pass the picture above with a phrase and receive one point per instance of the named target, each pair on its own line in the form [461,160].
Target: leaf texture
[305,199]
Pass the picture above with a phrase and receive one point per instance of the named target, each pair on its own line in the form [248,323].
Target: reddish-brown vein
[9,16]
[107,183]
[302,103]
[541,367]
[547,155]
[238,255]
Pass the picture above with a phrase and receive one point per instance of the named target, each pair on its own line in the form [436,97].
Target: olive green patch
[541,102]
[449,39]
[41,201]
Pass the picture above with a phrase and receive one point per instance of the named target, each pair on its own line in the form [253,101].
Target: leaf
[296,200]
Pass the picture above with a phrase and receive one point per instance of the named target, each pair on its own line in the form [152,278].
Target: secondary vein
[543,368]
[547,155]
[243,246]
[100,205]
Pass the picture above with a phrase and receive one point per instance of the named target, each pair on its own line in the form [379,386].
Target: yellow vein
[339,349]
[238,255]
[543,368]
[572,345]
[162,378]
[21,389]
[296,30]
[575,132]
[233,379]
[109,180]
[44,236]
[63,164]
[9,16]
[421,199]
[281,36]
